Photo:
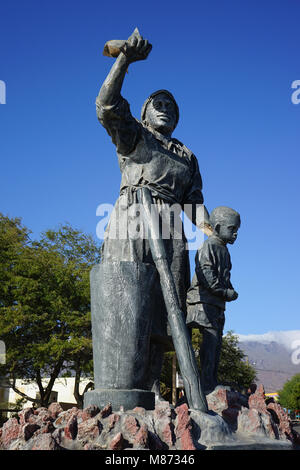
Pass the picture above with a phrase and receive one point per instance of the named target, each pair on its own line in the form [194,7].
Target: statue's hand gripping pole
[181,339]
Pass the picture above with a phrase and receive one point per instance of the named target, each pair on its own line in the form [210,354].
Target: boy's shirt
[212,274]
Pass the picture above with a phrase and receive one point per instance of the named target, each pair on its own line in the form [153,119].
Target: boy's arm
[207,273]
[231,292]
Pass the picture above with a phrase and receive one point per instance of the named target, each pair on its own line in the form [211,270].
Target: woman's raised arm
[135,48]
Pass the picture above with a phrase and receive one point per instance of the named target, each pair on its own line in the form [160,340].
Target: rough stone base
[235,422]
[126,399]
[210,428]
[246,444]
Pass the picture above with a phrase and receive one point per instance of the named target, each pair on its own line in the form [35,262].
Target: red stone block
[11,430]
[88,412]
[25,415]
[257,400]
[106,411]
[112,420]
[71,427]
[89,430]
[28,430]
[117,442]
[183,429]
[131,425]
[43,442]
[141,438]
[54,409]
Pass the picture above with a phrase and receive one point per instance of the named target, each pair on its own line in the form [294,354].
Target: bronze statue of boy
[211,289]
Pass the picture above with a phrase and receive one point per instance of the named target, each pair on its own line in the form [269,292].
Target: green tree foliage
[166,377]
[289,396]
[45,304]
[13,408]
[234,370]
[13,238]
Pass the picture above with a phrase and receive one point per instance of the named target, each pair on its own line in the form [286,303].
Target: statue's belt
[129,190]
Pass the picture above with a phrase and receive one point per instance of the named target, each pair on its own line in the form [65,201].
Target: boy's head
[225,223]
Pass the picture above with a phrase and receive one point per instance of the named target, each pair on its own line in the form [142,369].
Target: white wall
[64,387]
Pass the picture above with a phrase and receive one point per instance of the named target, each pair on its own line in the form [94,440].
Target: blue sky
[230,64]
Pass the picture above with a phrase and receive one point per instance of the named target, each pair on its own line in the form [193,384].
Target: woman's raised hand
[136,48]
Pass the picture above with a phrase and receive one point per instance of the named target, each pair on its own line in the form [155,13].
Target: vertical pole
[174,395]
[181,339]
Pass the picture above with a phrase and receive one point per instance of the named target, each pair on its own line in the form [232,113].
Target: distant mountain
[272,355]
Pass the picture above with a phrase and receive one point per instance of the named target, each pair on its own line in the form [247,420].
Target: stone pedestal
[121,328]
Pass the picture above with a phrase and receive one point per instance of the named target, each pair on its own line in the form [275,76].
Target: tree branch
[53,377]
[15,389]
[78,396]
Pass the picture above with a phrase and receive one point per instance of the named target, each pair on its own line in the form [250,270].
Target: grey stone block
[128,399]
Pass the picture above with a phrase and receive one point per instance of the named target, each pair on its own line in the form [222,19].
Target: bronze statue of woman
[148,158]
